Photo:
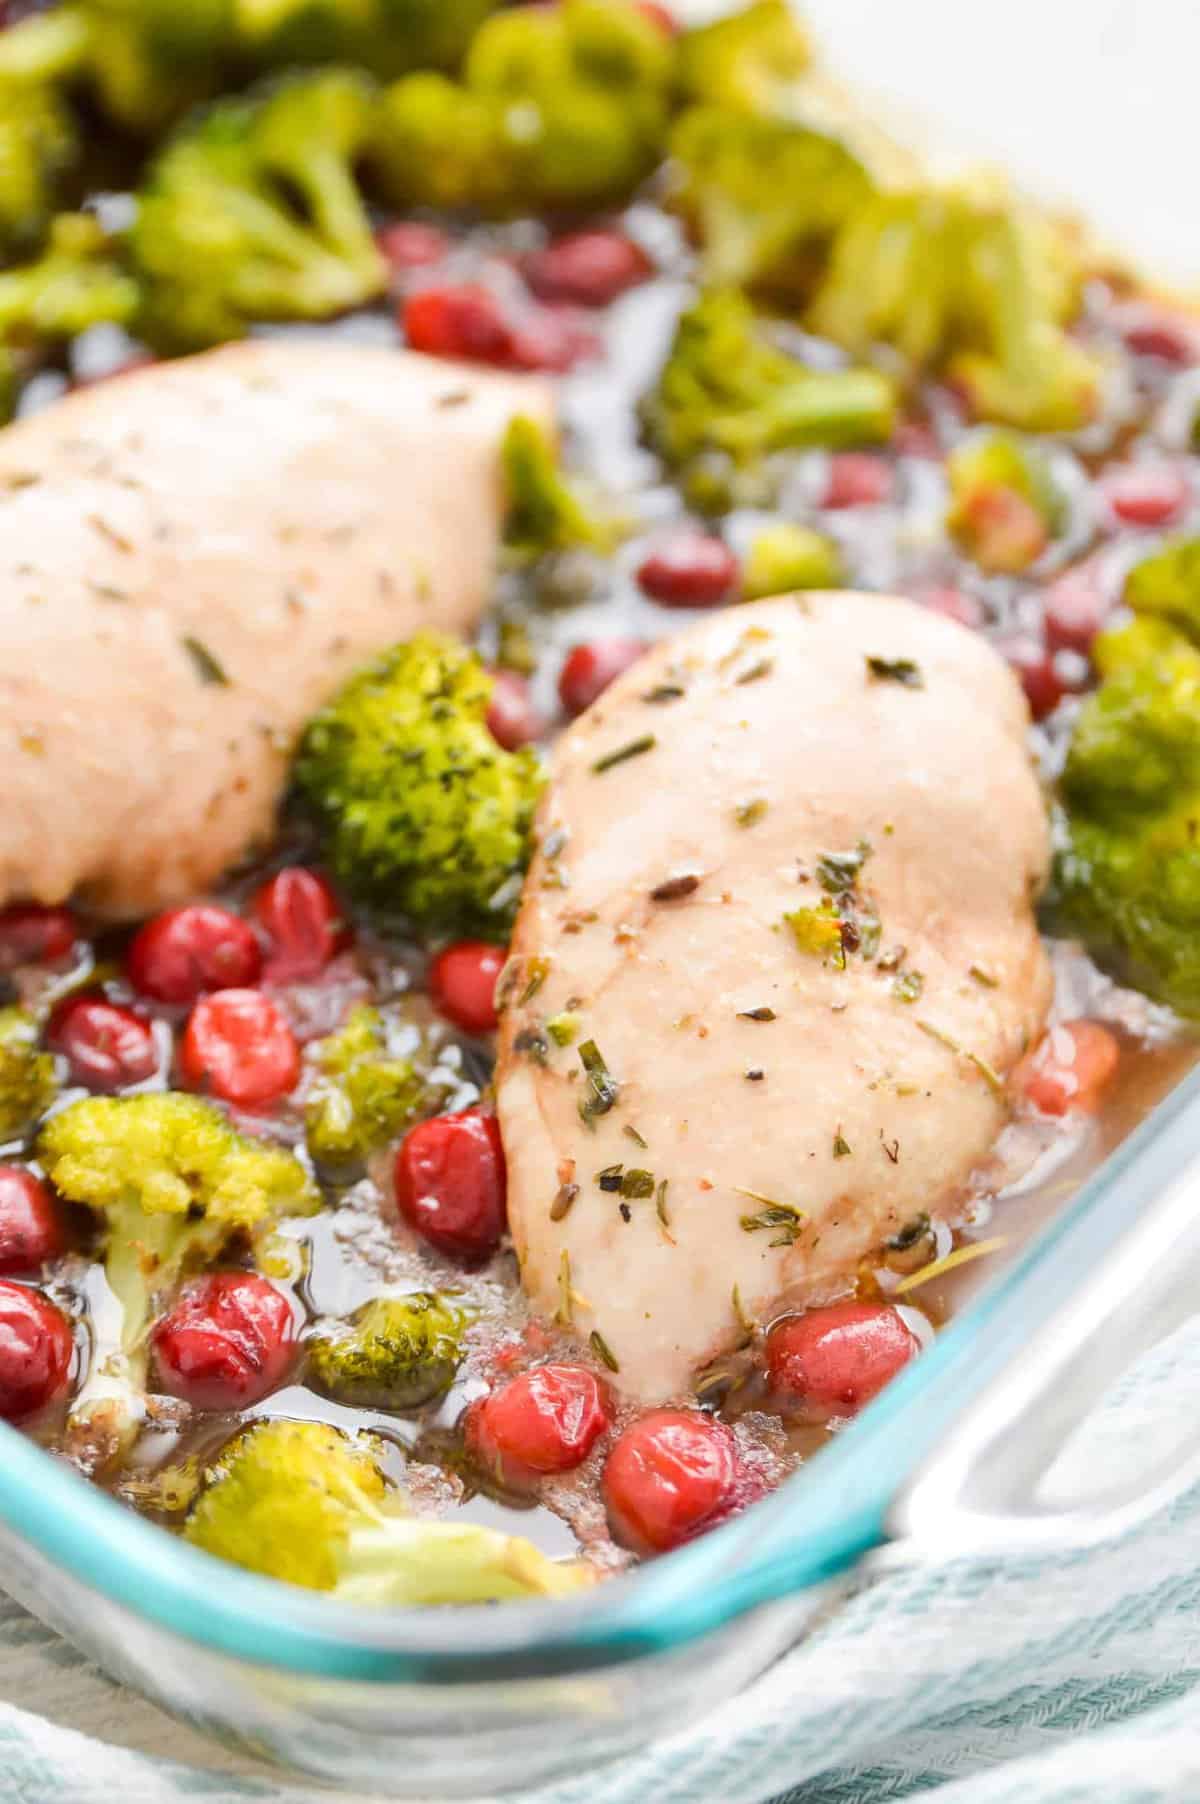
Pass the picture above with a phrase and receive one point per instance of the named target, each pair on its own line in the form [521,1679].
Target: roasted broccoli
[77,282]
[763,196]
[981,289]
[366,1089]
[395,1353]
[751,58]
[559,106]
[27,1079]
[172,1183]
[38,145]
[787,557]
[1004,504]
[421,811]
[309,1504]
[1166,586]
[252,213]
[544,511]
[385,36]
[726,388]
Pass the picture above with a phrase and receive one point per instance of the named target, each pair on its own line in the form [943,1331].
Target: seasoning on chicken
[784,898]
[194,558]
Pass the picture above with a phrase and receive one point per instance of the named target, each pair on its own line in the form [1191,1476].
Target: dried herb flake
[645,742]
[895,670]
[206,666]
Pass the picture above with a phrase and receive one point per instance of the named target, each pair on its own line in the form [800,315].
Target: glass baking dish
[409,1703]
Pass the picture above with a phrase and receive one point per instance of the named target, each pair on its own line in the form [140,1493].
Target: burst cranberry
[36,1346]
[179,955]
[856,479]
[30,1230]
[589,268]
[237,1045]
[450,1183]
[1074,608]
[669,1477]
[304,923]
[512,718]
[462,982]
[551,339]
[1071,1069]
[408,244]
[954,604]
[1041,675]
[546,1421]
[1155,331]
[1146,494]
[229,1339]
[106,1046]
[690,569]
[839,1357]
[466,321]
[30,935]
[590,668]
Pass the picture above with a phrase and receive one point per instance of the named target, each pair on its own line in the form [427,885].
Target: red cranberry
[237,1045]
[1152,330]
[1041,676]
[546,1421]
[304,923]
[954,604]
[451,1183]
[30,935]
[589,268]
[465,321]
[462,982]
[856,479]
[1071,1069]
[512,718]
[228,1340]
[30,1231]
[689,569]
[551,339]
[180,954]
[839,1357]
[1074,608]
[106,1046]
[1146,494]
[669,1477]
[36,1347]
[409,244]
[590,668]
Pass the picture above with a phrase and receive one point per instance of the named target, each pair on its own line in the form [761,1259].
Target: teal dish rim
[813,1528]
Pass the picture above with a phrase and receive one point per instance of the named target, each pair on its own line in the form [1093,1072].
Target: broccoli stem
[405,1561]
[332,193]
[822,407]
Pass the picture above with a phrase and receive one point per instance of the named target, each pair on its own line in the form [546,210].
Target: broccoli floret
[751,59]
[27,1080]
[1166,586]
[763,196]
[421,811]
[725,387]
[365,1090]
[395,1353]
[788,557]
[251,213]
[544,511]
[38,146]
[385,36]
[309,1504]
[1004,503]
[559,106]
[172,1183]
[77,282]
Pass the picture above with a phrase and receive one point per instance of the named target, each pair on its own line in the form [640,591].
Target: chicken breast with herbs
[192,558]
[775,958]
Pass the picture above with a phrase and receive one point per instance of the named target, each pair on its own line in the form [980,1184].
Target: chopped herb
[537,970]
[745,1322]
[761,669]
[603,1088]
[908,986]
[818,931]
[631,1133]
[984,977]
[841,1146]
[756,1014]
[675,888]
[533,1041]
[781,1218]
[563,1029]
[908,1236]
[115,538]
[207,667]
[719,1379]
[748,814]
[637,1184]
[646,742]
[660,1203]
[755,1074]
[988,1073]
[837,872]
[565,1311]
[610,1177]
[891,1148]
[602,1350]
[562,1203]
[664,692]
[895,670]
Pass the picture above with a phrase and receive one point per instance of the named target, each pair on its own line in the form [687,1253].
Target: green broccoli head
[365,1091]
[726,388]
[172,1183]
[309,1504]
[787,557]
[396,1353]
[149,61]
[27,1080]
[544,511]
[75,283]
[387,37]
[251,213]
[750,59]
[38,147]
[1166,586]
[439,144]
[421,811]
[1004,503]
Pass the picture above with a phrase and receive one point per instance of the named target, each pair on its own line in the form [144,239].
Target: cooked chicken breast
[191,559]
[781,910]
